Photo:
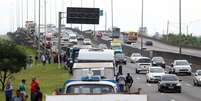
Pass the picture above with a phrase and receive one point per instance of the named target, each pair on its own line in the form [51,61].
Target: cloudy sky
[127,14]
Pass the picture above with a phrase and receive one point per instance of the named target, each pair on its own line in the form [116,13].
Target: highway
[157,46]
[189,92]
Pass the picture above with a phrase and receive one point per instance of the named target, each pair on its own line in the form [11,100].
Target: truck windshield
[90,89]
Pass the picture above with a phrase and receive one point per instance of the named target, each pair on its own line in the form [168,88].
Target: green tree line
[185,40]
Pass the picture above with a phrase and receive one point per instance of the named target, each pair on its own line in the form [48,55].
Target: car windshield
[156,70]
[90,89]
[158,59]
[144,61]
[119,55]
[136,55]
[199,72]
[169,78]
[116,47]
[182,63]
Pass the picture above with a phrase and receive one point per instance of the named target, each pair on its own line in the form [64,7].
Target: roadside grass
[49,76]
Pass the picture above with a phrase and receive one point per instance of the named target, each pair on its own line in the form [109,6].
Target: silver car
[197,78]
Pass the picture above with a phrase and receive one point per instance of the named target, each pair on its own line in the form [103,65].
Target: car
[197,78]
[134,57]
[142,64]
[149,43]
[154,74]
[102,46]
[87,41]
[80,37]
[169,83]
[158,61]
[180,67]
[120,58]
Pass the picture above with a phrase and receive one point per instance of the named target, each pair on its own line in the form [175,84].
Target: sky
[127,14]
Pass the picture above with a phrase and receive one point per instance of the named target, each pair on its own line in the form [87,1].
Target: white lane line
[172,100]
[148,84]
[138,78]
[189,85]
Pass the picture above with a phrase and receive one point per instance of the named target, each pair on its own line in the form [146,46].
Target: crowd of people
[22,91]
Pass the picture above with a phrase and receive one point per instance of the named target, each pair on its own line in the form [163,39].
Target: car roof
[143,58]
[155,67]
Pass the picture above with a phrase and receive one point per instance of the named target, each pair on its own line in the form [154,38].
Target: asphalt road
[189,92]
[162,47]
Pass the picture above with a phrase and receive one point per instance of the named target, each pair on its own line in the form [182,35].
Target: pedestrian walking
[36,59]
[8,90]
[22,88]
[29,61]
[18,96]
[39,95]
[121,82]
[120,70]
[34,86]
[129,82]
[43,59]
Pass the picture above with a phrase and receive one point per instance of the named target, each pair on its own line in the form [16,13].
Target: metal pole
[81,7]
[45,23]
[27,10]
[168,29]
[142,29]
[112,14]
[105,21]
[180,41]
[35,42]
[187,30]
[71,6]
[39,27]
[22,13]
[94,24]
[59,38]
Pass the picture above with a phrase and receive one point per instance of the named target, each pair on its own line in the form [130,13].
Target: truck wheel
[137,72]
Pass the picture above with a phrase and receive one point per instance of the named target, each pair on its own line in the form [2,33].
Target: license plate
[170,87]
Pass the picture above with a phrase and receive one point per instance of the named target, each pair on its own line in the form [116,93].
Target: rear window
[144,61]
[90,89]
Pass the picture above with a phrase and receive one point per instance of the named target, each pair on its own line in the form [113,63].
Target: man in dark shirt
[129,82]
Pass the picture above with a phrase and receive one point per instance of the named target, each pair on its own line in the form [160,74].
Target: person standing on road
[8,91]
[129,82]
[36,59]
[34,86]
[121,82]
[43,59]
[120,69]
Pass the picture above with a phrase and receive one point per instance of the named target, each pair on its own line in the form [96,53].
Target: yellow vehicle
[116,46]
[130,37]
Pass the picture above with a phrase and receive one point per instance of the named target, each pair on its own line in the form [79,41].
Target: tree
[12,60]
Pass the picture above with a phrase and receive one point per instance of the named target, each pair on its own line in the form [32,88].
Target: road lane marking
[172,100]
[138,78]
[189,85]
[148,84]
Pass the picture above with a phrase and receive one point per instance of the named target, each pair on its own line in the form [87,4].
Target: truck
[115,32]
[130,37]
[116,45]
[97,61]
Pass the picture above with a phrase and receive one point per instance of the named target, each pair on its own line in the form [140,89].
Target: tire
[194,83]
[189,74]
[137,72]
[179,91]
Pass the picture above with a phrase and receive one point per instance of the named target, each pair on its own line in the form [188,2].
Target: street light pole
[180,41]
[39,27]
[59,38]
[142,25]
[27,10]
[94,24]
[81,7]
[112,14]
[45,22]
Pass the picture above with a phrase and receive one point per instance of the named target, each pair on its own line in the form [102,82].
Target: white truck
[97,61]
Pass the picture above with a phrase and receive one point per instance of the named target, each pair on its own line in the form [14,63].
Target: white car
[134,57]
[181,66]
[154,74]
[87,41]
[197,78]
[143,64]
[73,40]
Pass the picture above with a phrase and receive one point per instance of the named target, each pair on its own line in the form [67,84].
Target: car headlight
[178,84]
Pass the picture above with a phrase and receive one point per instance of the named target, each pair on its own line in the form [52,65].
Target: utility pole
[180,41]
[45,22]
[167,29]
[39,27]
[35,42]
[59,38]
[112,14]
[71,6]
[94,24]
[27,10]
[187,30]
[105,20]
[142,25]
[81,7]
[22,7]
